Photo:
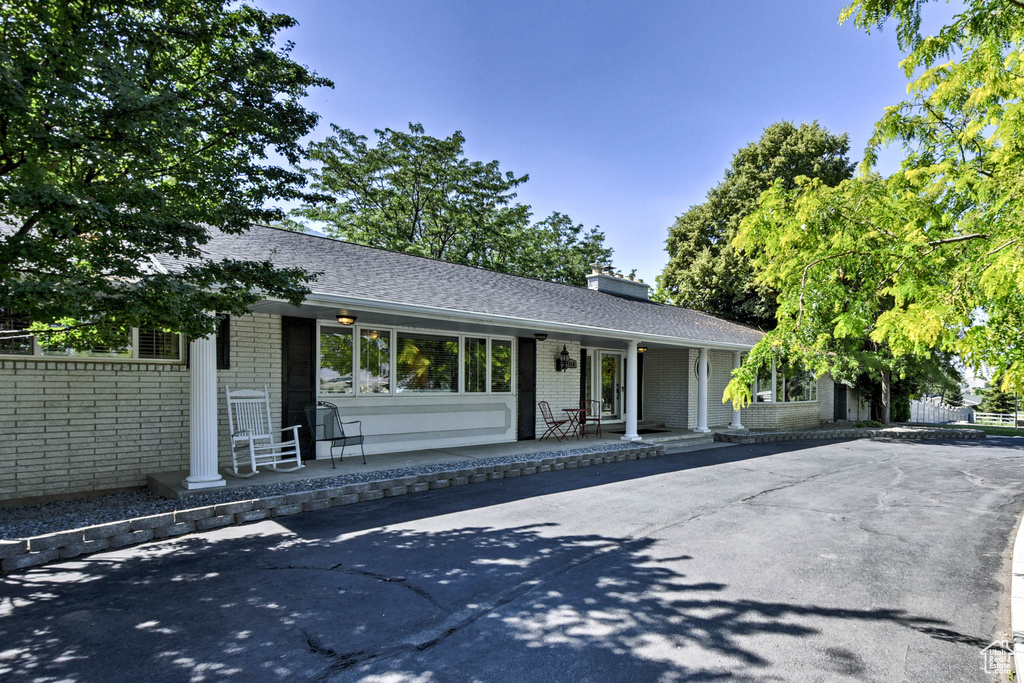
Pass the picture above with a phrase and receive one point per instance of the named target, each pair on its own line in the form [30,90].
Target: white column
[736,423]
[203,472]
[631,394]
[702,392]
[775,382]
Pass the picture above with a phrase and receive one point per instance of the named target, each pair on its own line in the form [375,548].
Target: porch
[385,465]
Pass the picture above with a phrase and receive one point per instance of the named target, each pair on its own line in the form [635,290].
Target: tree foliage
[419,194]
[131,128]
[928,258]
[996,400]
[705,270]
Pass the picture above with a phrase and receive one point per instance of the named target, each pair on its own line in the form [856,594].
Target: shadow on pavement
[526,602]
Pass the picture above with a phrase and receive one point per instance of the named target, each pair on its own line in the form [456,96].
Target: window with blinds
[158,345]
[427,363]
[13,338]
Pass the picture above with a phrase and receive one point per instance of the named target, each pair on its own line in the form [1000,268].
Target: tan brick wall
[76,427]
[560,389]
[826,398]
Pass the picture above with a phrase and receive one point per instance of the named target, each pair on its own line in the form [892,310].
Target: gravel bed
[24,521]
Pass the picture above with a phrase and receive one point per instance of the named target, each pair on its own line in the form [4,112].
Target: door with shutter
[526,389]
[298,386]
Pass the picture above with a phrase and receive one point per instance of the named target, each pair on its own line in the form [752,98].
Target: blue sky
[624,114]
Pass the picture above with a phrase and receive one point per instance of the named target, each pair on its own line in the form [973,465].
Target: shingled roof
[382,276]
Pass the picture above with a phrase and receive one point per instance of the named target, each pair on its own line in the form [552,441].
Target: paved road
[864,561]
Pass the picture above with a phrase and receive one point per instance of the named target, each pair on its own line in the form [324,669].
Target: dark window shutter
[526,388]
[224,342]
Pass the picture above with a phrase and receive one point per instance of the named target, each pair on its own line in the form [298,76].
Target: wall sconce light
[346,319]
[641,349]
[564,362]
[540,336]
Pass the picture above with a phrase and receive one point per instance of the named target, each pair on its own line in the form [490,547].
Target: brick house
[427,354]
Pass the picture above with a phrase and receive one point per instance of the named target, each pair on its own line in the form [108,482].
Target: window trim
[395,331]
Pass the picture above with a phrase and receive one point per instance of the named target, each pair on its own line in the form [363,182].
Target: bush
[869,423]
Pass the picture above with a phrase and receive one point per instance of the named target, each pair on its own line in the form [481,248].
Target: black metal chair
[325,425]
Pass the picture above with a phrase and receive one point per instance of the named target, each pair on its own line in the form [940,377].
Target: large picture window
[792,385]
[501,365]
[427,363]
[122,344]
[374,361]
[476,365]
[336,361]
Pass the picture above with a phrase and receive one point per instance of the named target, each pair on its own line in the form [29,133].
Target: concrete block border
[916,434]
[62,545]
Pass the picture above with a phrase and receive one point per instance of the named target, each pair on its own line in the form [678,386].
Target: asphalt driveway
[866,561]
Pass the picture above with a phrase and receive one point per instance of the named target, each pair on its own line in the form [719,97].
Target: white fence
[1001,419]
[934,412]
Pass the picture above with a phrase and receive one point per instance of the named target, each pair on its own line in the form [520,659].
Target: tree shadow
[522,603]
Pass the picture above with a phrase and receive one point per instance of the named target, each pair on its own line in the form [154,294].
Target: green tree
[996,400]
[705,271]
[416,193]
[133,128]
[940,240]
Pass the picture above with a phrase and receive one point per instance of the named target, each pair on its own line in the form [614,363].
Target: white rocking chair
[250,424]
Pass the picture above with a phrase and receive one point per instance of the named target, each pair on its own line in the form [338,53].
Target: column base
[204,483]
[705,430]
[630,437]
[738,428]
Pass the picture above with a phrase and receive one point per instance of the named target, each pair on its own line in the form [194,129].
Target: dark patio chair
[593,415]
[556,428]
[325,425]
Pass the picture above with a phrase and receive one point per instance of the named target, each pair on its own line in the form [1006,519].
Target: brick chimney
[604,279]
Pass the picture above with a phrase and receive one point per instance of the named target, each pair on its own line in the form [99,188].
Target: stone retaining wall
[908,434]
[64,545]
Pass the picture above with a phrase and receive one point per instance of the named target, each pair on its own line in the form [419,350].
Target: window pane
[159,345]
[335,361]
[501,365]
[428,363]
[374,362]
[118,345]
[800,385]
[764,385]
[476,364]
[12,337]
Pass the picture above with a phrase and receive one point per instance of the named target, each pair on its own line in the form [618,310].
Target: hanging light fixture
[345,319]
[564,361]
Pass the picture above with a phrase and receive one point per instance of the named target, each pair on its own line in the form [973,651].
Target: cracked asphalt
[816,561]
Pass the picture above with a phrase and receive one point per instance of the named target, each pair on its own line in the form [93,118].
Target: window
[159,345]
[119,346]
[763,386]
[336,361]
[501,365]
[427,363]
[791,385]
[476,365]
[800,386]
[374,361]
[13,339]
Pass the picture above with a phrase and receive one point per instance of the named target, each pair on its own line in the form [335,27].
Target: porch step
[689,439]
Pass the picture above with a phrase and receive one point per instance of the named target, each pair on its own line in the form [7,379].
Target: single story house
[426,353]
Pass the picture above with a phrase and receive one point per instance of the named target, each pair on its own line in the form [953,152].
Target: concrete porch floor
[168,484]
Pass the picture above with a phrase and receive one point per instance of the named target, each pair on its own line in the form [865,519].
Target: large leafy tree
[419,194]
[135,127]
[941,239]
[705,271]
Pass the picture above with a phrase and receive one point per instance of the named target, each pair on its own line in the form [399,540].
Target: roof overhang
[384,307]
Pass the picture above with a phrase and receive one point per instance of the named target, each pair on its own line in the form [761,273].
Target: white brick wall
[781,415]
[560,389]
[666,386]
[826,398]
[71,427]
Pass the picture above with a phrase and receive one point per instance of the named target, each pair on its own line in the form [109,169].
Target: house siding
[826,399]
[781,415]
[73,427]
[560,389]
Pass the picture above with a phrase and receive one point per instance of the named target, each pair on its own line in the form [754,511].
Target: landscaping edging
[64,545]
[897,433]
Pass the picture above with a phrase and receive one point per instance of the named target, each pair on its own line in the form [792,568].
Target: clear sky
[624,114]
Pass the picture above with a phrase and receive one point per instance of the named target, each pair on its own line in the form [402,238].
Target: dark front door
[298,346]
[839,402]
[526,388]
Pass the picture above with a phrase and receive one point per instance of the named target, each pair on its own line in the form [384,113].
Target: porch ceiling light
[540,336]
[641,348]
[564,362]
[346,319]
